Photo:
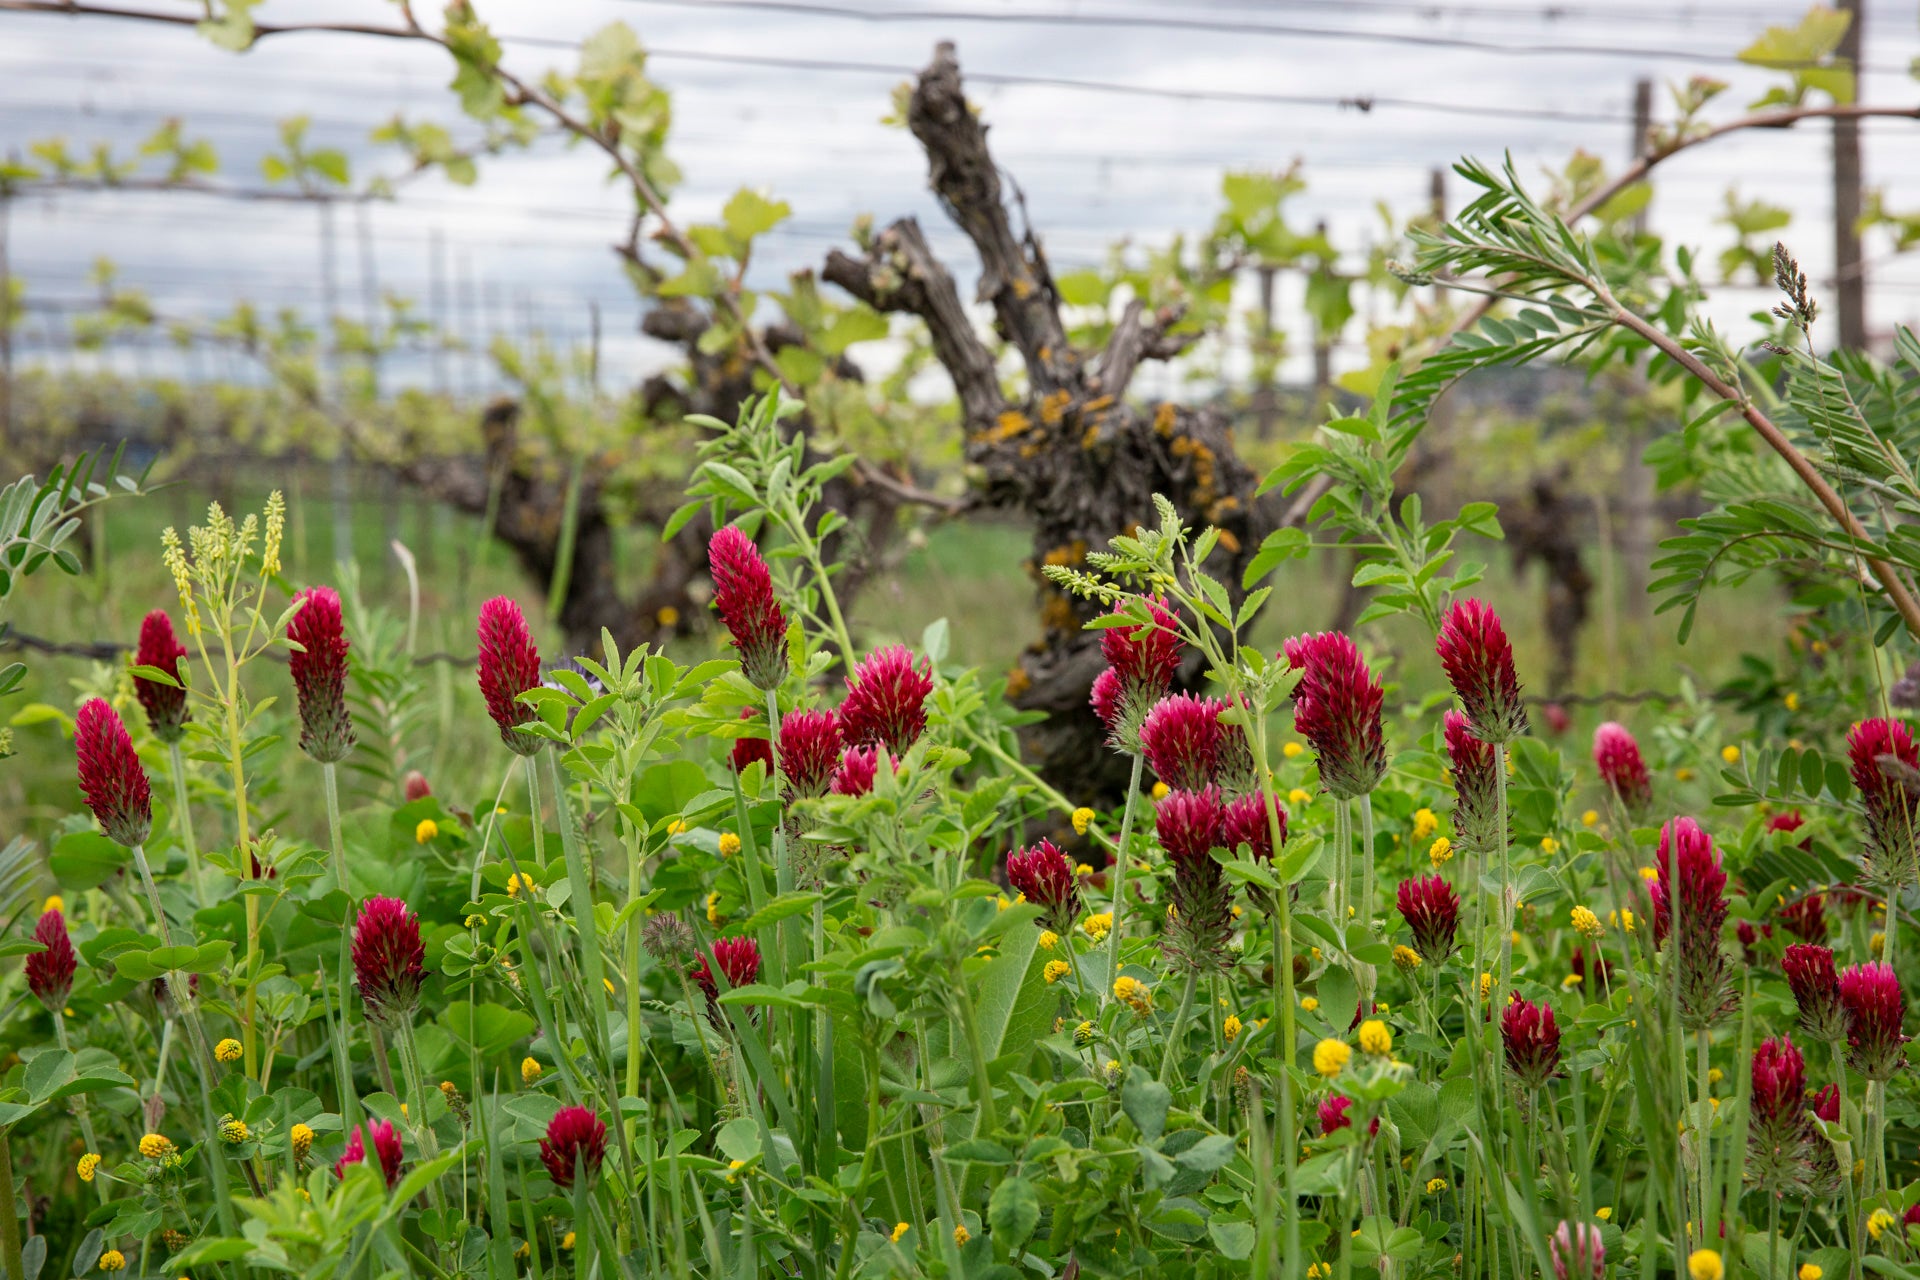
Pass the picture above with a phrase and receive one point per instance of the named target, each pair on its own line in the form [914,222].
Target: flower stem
[343,1064]
[183,820]
[80,1102]
[1175,1032]
[1119,883]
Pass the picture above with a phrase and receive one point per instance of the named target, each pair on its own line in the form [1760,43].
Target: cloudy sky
[787,97]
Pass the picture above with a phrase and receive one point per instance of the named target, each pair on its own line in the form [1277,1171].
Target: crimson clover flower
[1142,660]
[1475,766]
[389,961]
[1532,1041]
[50,972]
[1250,820]
[1875,1007]
[1692,882]
[509,667]
[1806,917]
[1617,756]
[1336,708]
[1181,737]
[1432,910]
[576,1142]
[737,958]
[1816,991]
[886,702]
[1189,825]
[319,670]
[858,767]
[165,704]
[386,1144]
[1577,1251]
[111,776]
[743,595]
[1478,660]
[1334,1117]
[1885,765]
[810,744]
[1045,876]
[1780,1135]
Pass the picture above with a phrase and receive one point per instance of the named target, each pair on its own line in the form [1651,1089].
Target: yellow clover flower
[227,1050]
[1330,1056]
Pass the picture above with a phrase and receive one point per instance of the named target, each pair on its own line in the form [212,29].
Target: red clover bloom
[1336,708]
[1476,785]
[576,1142]
[1875,1007]
[166,704]
[111,776]
[319,670]
[1478,660]
[1045,876]
[1816,990]
[389,961]
[1250,820]
[1617,756]
[738,960]
[743,594]
[1692,882]
[1142,660]
[886,702]
[509,666]
[1532,1041]
[1885,765]
[1189,825]
[809,751]
[50,972]
[1432,910]
[386,1144]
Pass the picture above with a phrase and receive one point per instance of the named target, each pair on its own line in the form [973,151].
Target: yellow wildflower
[524,1251]
[1056,970]
[1486,985]
[1877,942]
[1406,958]
[301,1138]
[961,1235]
[1230,1028]
[1793,704]
[1571,981]
[678,827]
[1135,994]
[517,882]
[227,1050]
[1704,1264]
[1098,925]
[1878,1222]
[1715,1075]
[1375,1038]
[1649,874]
[713,909]
[113,1260]
[89,1164]
[474,921]
[1730,753]
[1082,819]
[1684,774]
[234,1131]
[900,1229]
[1604,1213]
[1293,751]
[667,616]
[566,1241]
[156,1146]
[1160,790]
[1425,823]
[54,902]
[1309,1003]
[1298,796]
[1083,1034]
[1586,923]
[1436,1185]
[729,844]
[1439,851]
[733,1169]
[1590,817]
[1049,939]
[529,1070]
[1319,1270]
[1329,1056]
[1549,845]
[1810,1271]
[1084,869]
[425,830]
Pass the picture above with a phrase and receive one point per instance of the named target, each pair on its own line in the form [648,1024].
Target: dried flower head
[886,702]
[810,744]
[111,776]
[667,937]
[319,670]
[1617,756]
[743,594]
[50,973]
[1478,660]
[1045,876]
[166,704]
[575,1144]
[1336,708]
[1432,910]
[1885,765]
[389,961]
[1532,1041]
[509,666]
[1875,1007]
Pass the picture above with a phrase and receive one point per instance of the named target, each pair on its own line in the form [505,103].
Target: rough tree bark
[1069,453]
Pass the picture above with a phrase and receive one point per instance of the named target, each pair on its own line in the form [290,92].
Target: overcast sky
[532,238]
